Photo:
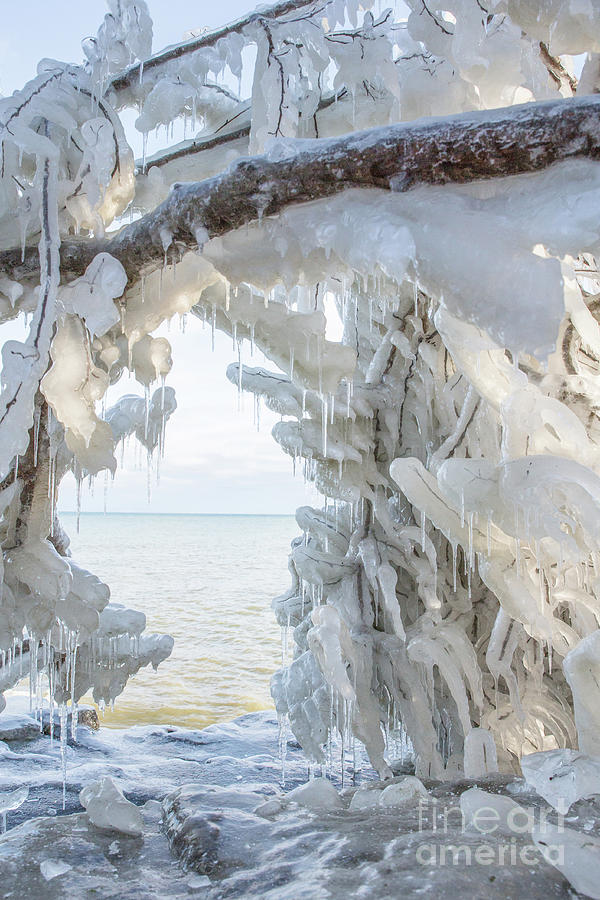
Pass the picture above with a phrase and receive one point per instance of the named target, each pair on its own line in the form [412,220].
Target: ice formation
[562,777]
[108,808]
[487,813]
[11,800]
[53,868]
[446,597]
[580,862]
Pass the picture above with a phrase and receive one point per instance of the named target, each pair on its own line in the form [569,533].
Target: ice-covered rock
[18,728]
[218,779]
[318,794]
[489,813]
[268,808]
[83,715]
[408,790]
[366,797]
[62,858]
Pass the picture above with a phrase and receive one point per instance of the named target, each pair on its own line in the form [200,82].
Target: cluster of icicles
[57,626]
[448,589]
[66,166]
[445,597]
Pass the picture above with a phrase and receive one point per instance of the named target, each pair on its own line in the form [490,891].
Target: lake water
[206,580]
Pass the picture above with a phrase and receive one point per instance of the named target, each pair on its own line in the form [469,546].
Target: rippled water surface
[206,580]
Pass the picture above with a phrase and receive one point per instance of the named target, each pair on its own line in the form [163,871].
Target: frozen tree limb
[198,145]
[236,128]
[557,71]
[455,149]
[209,39]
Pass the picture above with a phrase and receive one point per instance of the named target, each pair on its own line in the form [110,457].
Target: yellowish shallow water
[208,581]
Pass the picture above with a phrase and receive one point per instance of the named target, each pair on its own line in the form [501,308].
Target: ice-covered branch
[456,149]
[136,72]
[556,70]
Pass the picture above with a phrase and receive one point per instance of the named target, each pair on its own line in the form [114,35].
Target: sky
[37,29]
[216,461]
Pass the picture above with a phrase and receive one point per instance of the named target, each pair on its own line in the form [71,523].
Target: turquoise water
[206,580]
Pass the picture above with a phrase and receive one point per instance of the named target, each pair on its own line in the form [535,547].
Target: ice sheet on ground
[218,782]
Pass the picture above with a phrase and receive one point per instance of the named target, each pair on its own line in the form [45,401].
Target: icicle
[146,411]
[282,743]
[63,751]
[454,565]
[36,434]
[149,476]
[74,715]
[470,549]
[79,479]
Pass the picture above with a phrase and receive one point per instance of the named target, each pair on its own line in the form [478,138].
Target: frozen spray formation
[430,313]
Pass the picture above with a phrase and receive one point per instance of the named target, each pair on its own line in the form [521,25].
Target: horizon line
[73,512]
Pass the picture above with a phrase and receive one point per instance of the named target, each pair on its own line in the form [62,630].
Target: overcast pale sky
[216,461]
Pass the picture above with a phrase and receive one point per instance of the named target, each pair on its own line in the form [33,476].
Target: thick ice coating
[432,346]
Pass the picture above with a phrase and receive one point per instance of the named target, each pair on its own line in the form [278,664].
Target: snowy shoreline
[218,824]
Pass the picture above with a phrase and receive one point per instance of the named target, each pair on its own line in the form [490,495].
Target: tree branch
[132,74]
[234,129]
[455,149]
[195,146]
[556,70]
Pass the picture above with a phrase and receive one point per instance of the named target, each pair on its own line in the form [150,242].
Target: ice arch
[451,569]
[449,585]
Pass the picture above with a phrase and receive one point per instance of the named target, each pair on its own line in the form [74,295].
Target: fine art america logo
[498,833]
